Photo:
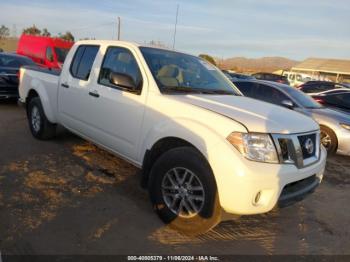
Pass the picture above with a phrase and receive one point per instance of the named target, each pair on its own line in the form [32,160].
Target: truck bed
[55,72]
[45,82]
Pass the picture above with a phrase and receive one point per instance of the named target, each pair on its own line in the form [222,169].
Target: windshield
[177,72]
[301,98]
[61,54]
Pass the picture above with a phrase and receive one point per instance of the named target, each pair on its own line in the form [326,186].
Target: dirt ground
[66,196]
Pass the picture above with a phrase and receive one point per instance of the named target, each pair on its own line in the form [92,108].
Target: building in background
[336,70]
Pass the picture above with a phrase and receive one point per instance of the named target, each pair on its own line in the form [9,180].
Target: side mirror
[288,104]
[122,80]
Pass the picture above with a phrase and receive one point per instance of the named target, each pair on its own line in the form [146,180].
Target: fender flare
[191,131]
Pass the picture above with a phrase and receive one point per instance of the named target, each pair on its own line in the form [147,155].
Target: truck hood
[255,115]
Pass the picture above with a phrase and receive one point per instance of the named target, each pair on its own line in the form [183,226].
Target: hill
[265,64]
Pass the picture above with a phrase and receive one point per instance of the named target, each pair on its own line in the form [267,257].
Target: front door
[116,112]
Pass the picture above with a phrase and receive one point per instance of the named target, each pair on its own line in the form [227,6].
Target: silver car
[335,125]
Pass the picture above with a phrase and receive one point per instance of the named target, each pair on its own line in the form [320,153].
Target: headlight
[346,126]
[254,146]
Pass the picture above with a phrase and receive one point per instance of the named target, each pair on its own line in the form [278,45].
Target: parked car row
[334,125]
[234,75]
[9,71]
[271,77]
[335,99]
[319,87]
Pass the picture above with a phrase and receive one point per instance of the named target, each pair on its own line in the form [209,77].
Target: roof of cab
[124,43]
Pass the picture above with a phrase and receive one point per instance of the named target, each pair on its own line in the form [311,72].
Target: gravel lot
[66,196]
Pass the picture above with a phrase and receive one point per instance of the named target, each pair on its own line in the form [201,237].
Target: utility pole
[118,27]
[14,34]
[177,13]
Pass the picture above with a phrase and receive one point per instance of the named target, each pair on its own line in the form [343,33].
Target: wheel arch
[160,147]
[31,94]
[335,134]
[38,90]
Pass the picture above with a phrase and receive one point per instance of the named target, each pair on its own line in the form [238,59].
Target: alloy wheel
[183,192]
[35,119]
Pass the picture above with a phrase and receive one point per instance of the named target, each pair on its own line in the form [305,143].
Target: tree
[33,30]
[208,58]
[45,32]
[4,32]
[67,36]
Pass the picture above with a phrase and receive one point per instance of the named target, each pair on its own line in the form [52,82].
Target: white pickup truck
[204,149]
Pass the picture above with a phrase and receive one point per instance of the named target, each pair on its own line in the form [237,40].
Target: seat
[167,75]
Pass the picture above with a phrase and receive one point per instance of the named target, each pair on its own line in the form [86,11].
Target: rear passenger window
[83,60]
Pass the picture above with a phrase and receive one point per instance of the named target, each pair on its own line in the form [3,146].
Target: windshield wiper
[186,89]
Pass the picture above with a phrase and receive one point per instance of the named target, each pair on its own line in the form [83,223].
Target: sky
[296,29]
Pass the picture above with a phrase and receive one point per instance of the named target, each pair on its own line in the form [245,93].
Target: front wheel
[329,140]
[183,191]
[40,127]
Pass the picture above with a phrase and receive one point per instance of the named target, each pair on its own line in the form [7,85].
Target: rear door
[73,95]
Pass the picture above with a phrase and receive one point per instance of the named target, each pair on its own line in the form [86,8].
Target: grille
[285,149]
[308,145]
[299,149]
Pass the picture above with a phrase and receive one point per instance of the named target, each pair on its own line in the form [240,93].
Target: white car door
[73,96]
[116,112]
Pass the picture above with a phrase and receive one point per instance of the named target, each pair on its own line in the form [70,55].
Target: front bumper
[298,190]
[8,95]
[240,181]
[5,94]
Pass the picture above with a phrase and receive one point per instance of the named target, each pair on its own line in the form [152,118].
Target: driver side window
[119,60]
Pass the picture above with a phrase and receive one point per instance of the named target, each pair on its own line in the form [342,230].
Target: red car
[44,51]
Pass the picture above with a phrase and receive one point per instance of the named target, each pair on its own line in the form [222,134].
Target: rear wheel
[40,126]
[183,191]
[329,139]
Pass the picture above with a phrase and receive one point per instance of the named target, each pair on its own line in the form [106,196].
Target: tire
[203,203]
[329,140]
[40,127]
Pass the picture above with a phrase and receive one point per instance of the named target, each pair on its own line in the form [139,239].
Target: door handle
[65,85]
[94,94]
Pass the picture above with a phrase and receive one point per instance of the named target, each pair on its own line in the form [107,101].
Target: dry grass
[9,44]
